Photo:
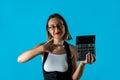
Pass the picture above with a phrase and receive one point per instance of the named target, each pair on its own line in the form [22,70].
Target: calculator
[85,44]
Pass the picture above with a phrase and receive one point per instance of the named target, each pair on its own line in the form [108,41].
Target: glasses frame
[58,26]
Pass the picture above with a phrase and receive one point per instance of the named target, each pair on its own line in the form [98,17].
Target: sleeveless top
[57,75]
[56,62]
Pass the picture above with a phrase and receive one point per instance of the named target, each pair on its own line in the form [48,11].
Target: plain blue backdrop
[22,26]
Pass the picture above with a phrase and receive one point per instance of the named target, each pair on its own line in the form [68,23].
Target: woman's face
[56,28]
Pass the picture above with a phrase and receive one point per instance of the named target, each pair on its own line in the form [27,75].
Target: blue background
[22,26]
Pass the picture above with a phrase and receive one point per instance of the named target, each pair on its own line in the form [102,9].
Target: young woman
[59,57]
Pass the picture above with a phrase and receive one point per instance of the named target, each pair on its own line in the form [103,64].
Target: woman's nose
[57,28]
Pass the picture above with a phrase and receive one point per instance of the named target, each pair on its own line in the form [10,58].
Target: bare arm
[79,69]
[78,72]
[29,54]
[34,52]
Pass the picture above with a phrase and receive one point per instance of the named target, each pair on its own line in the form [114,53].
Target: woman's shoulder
[72,48]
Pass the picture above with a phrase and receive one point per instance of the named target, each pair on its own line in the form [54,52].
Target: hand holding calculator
[85,44]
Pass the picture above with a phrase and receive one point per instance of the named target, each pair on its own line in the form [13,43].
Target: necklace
[61,46]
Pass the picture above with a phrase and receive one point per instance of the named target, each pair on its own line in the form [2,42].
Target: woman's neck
[58,41]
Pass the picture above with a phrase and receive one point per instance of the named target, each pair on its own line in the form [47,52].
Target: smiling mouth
[57,33]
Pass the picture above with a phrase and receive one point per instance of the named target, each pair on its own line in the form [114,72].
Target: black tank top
[55,75]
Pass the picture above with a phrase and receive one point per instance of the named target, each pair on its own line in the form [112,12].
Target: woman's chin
[57,37]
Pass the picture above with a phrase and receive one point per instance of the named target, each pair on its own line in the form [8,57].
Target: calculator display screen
[85,44]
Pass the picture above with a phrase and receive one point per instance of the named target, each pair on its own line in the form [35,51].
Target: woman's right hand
[48,46]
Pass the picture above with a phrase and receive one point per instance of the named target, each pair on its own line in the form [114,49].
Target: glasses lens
[59,26]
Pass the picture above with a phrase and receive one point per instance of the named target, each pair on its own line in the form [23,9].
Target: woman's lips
[57,33]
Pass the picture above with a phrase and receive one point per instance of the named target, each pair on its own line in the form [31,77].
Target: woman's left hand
[90,58]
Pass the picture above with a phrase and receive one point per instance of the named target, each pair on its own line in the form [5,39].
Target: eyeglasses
[59,26]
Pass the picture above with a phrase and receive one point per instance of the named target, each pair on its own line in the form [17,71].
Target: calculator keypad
[83,49]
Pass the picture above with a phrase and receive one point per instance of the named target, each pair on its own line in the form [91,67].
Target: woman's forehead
[55,21]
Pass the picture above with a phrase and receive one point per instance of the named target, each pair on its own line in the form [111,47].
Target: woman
[59,59]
